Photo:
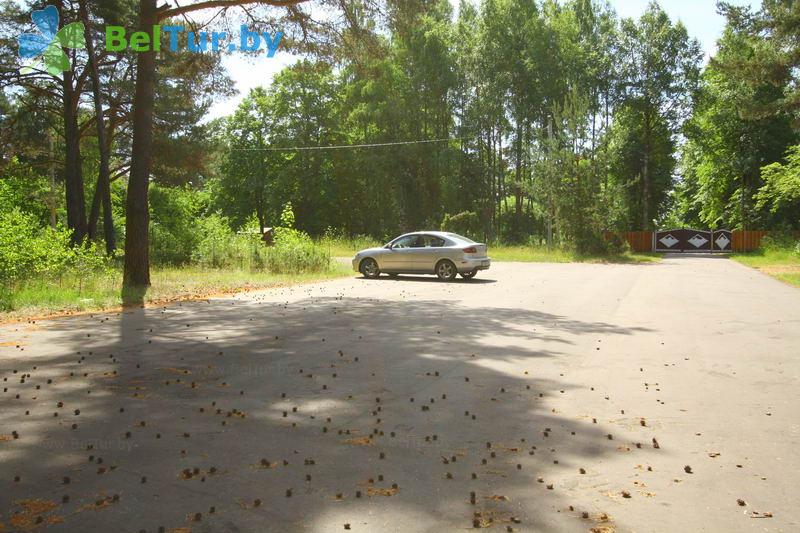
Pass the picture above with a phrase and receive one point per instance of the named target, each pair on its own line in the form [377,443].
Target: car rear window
[461,238]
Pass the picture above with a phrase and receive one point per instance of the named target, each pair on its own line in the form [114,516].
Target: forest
[527,122]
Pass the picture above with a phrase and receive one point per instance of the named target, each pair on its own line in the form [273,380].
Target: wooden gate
[722,241]
[687,240]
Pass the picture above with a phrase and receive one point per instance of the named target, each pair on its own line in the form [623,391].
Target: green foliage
[772,59]
[780,241]
[175,212]
[659,75]
[627,142]
[293,252]
[181,234]
[29,251]
[495,78]
[726,148]
[465,223]
[781,190]
[219,247]
[514,226]
[299,110]
[576,193]
[21,187]
[287,216]
[742,127]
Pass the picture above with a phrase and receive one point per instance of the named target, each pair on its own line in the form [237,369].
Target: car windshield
[461,238]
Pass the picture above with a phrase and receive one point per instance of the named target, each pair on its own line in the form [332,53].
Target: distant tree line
[564,122]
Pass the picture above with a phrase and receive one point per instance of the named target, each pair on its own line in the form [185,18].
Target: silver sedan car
[424,252]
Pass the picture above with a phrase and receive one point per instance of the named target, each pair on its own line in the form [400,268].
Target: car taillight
[470,250]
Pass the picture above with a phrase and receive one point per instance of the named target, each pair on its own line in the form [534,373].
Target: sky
[699,16]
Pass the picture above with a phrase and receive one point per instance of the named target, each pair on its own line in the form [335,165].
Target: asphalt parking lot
[537,397]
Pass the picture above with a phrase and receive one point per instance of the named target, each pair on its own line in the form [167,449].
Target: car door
[398,258]
[426,256]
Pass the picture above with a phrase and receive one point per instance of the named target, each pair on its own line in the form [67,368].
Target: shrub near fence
[639,241]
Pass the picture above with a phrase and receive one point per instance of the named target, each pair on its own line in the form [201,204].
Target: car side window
[431,241]
[405,242]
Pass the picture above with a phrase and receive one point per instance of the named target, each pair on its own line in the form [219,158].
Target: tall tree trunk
[52,200]
[73,175]
[97,203]
[103,177]
[137,253]
[136,277]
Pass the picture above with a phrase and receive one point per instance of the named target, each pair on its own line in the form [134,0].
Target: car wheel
[369,268]
[446,270]
[469,275]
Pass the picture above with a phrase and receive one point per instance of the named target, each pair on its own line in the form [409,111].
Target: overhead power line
[343,146]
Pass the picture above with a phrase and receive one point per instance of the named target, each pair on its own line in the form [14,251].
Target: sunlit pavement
[538,397]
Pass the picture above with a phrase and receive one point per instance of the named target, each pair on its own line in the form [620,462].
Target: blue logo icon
[49,43]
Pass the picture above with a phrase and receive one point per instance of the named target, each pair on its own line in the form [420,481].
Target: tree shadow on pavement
[238,415]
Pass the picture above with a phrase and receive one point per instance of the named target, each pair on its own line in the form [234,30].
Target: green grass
[783,264]
[541,254]
[71,294]
[501,252]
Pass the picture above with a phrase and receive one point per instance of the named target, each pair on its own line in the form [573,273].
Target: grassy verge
[536,254]
[74,294]
[781,264]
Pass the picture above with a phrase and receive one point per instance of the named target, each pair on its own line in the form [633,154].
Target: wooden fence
[747,241]
[743,241]
[639,241]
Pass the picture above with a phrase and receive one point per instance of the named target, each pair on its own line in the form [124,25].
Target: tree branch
[209,4]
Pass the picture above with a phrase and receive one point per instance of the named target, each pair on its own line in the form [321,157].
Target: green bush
[219,246]
[465,223]
[780,240]
[293,253]
[28,250]
[616,245]
[591,244]
[174,215]
[23,188]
